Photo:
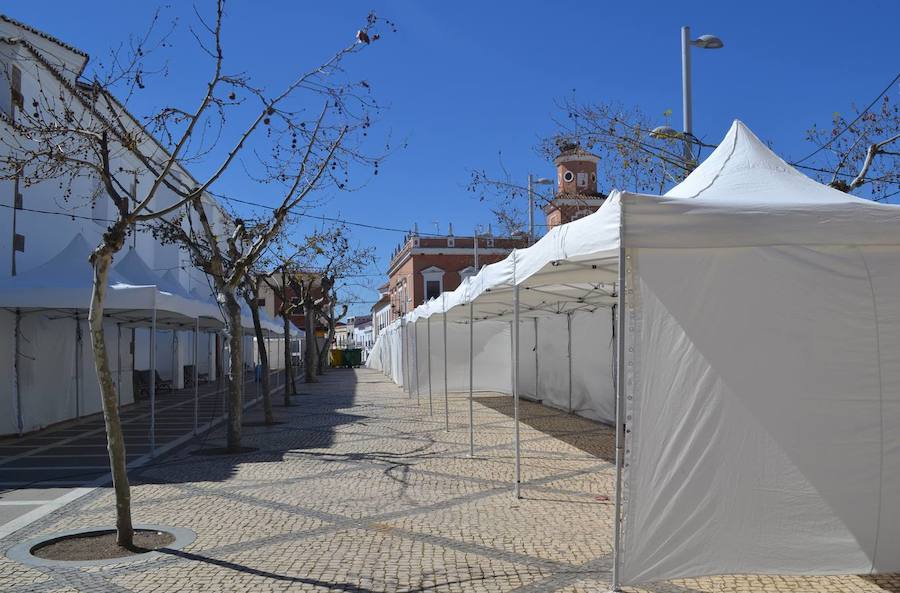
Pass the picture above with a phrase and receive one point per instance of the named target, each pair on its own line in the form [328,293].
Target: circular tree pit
[97,546]
[100,545]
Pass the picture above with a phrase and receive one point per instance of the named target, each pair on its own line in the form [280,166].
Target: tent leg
[405,357]
[537,390]
[518,454]
[446,395]
[408,358]
[620,417]
[512,374]
[77,366]
[430,402]
[569,330]
[174,357]
[196,377]
[153,383]
[20,419]
[416,356]
[471,383]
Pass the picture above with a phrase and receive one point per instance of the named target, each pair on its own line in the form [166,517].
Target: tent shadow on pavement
[301,429]
[590,436]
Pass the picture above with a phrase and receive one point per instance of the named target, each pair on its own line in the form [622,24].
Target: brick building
[576,182]
[423,267]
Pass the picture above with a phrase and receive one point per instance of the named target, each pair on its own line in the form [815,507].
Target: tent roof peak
[743,169]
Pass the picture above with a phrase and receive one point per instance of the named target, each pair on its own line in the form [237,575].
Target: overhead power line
[850,125]
[329,218]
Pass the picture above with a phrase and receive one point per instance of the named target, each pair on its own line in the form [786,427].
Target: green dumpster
[337,358]
[353,357]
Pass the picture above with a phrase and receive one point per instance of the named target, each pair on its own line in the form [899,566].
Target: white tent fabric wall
[763,354]
[47,364]
[492,356]
[593,389]
[789,387]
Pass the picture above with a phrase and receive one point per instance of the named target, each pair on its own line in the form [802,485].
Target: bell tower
[576,182]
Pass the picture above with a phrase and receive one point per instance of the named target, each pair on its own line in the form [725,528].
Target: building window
[432,289]
[451,242]
[260,302]
[434,282]
[582,179]
[569,177]
[14,99]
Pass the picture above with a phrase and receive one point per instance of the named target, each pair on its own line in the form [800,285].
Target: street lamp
[475,245]
[531,183]
[703,42]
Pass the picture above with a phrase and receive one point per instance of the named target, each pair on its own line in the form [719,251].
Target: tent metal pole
[77,366]
[153,382]
[569,329]
[20,419]
[408,359]
[537,382]
[416,357]
[620,413]
[430,401]
[196,377]
[446,395]
[404,339]
[174,358]
[471,383]
[512,372]
[518,461]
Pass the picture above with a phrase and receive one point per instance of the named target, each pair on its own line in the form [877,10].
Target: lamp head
[708,42]
[665,132]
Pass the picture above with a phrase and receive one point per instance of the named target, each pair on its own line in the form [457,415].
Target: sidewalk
[361,490]
[48,467]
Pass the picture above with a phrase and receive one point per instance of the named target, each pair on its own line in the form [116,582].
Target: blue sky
[467,80]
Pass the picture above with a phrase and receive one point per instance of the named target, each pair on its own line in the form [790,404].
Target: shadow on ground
[308,424]
[594,438]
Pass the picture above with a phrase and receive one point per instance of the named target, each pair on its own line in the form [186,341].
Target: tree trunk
[236,371]
[326,346]
[115,440]
[289,387]
[263,361]
[312,346]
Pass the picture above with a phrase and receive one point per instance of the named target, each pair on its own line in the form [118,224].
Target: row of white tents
[758,407]
[47,370]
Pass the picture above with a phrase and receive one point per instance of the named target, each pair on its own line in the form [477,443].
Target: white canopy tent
[51,376]
[761,365]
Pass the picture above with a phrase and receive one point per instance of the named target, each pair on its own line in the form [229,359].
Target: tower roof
[569,152]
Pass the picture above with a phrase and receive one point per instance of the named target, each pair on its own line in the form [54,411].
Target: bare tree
[862,155]
[857,156]
[313,273]
[70,131]
[250,292]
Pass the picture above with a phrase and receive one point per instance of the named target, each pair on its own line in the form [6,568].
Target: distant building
[360,333]
[576,182]
[341,335]
[381,311]
[424,267]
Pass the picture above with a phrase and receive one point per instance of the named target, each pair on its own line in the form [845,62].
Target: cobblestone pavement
[360,490]
[43,469]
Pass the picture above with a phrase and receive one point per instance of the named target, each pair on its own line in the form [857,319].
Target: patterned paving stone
[362,490]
